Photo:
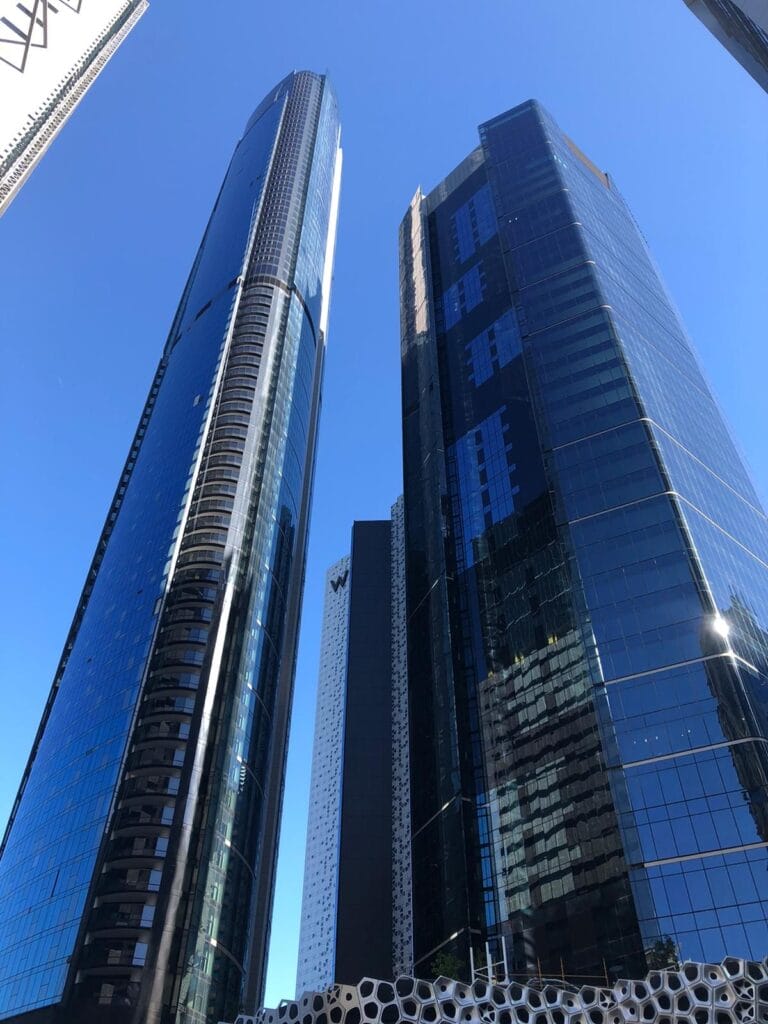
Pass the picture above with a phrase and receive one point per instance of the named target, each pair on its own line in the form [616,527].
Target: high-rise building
[137,869]
[351,865]
[317,939]
[587,587]
[742,27]
[50,55]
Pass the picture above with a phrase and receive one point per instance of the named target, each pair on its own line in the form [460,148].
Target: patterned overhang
[734,992]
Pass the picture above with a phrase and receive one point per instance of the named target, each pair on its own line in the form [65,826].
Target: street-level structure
[732,992]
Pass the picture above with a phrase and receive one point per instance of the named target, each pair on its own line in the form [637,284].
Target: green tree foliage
[662,956]
[446,965]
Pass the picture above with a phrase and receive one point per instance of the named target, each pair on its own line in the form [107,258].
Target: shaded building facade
[137,869]
[586,587]
[348,910]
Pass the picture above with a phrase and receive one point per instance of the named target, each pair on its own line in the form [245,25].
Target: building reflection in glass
[587,585]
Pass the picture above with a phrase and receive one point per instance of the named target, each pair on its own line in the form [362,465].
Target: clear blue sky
[95,251]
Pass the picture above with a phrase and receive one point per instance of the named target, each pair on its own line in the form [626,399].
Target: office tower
[50,55]
[587,591]
[347,909]
[137,869]
[742,27]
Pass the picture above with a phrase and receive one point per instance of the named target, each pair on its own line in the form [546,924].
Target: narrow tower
[137,868]
[587,587]
[349,918]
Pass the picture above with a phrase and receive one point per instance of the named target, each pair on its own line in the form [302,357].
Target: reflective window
[587,587]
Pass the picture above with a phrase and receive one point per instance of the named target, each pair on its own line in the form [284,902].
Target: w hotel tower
[137,869]
[586,588]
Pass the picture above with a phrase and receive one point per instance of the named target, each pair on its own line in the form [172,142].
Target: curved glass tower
[137,868]
[587,587]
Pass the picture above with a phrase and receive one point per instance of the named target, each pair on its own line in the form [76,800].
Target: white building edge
[321,864]
[50,55]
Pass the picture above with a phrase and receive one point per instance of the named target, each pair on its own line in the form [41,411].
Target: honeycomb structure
[733,992]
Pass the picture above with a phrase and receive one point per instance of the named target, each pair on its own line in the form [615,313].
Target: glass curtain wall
[137,869]
[586,585]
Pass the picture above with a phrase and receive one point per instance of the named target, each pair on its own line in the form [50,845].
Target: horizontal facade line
[691,751]
[723,852]
[730,655]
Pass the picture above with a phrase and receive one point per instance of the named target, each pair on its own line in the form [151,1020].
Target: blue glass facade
[587,577]
[137,868]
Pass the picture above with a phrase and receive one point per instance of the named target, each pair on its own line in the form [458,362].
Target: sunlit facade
[50,55]
[317,938]
[137,870]
[587,587]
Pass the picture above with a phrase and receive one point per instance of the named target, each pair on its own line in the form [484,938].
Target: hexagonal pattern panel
[733,992]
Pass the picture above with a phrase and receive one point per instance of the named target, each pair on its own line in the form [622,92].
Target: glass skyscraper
[586,587]
[137,869]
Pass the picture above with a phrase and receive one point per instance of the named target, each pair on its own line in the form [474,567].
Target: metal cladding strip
[330,248]
[733,992]
[402,880]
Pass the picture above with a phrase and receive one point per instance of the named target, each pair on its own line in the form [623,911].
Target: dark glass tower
[137,869]
[587,586]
